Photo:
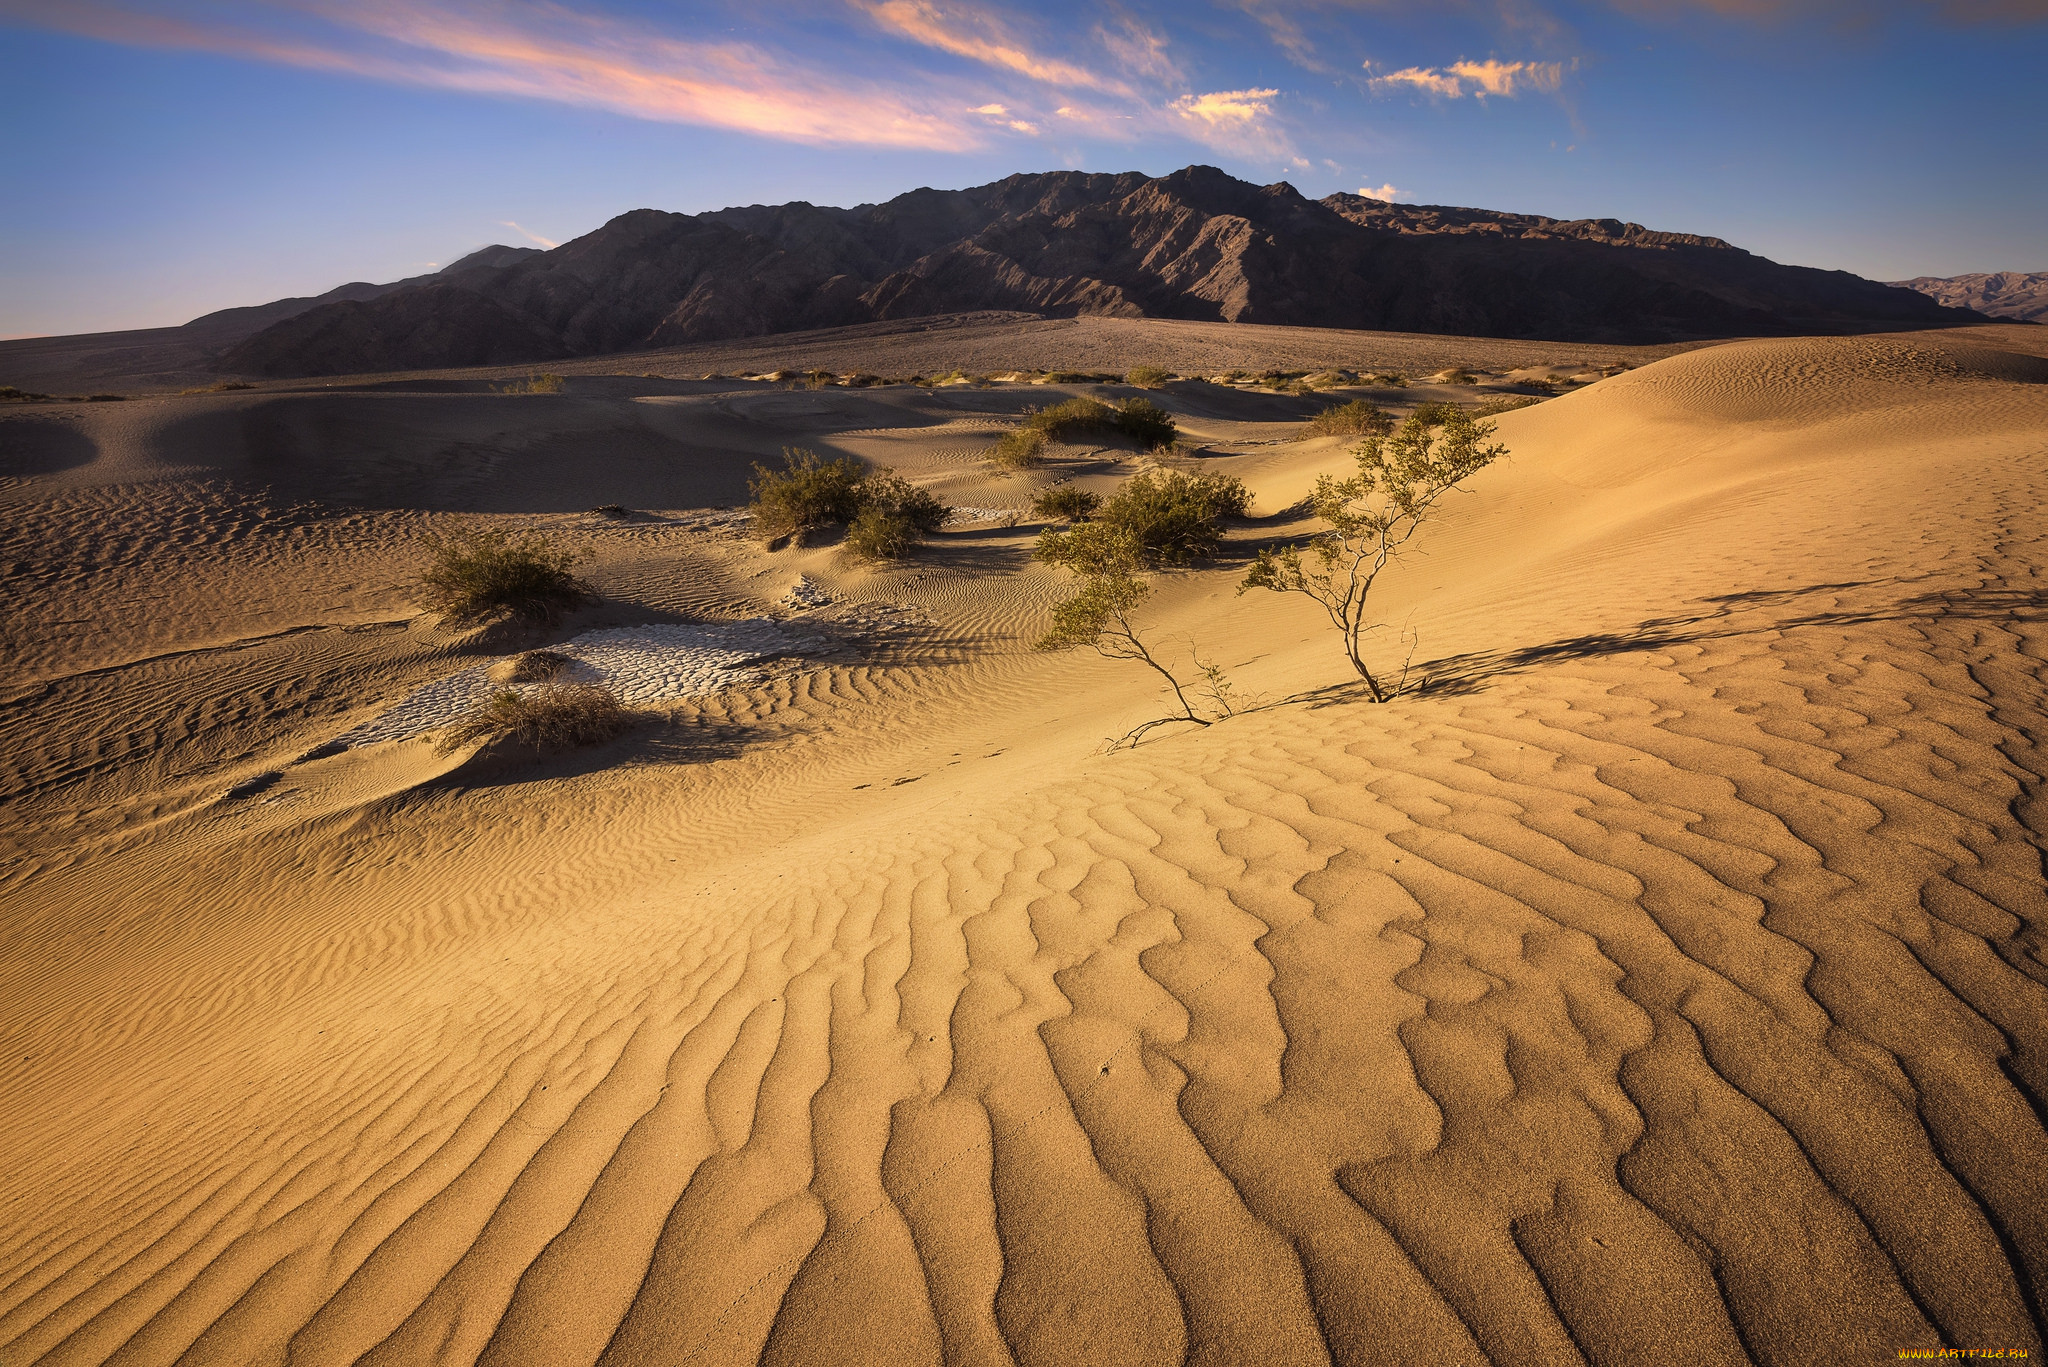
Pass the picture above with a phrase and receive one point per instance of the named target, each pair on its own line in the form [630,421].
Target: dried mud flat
[1665,981]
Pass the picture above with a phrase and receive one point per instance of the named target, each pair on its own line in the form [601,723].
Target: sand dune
[1663,981]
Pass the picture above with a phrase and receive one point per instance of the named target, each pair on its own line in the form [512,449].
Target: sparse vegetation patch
[1019,449]
[534,666]
[1147,377]
[488,571]
[1169,517]
[805,494]
[1065,503]
[553,717]
[1139,420]
[219,387]
[1359,418]
[886,515]
[533,384]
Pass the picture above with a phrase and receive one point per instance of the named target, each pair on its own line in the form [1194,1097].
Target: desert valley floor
[1664,980]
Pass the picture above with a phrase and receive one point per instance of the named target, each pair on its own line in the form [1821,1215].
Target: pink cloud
[544,52]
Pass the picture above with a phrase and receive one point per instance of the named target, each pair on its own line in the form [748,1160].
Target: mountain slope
[2002,294]
[1197,244]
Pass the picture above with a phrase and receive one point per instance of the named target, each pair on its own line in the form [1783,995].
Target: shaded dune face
[1664,981]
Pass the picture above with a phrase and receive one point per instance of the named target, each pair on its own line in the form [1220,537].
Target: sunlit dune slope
[1663,979]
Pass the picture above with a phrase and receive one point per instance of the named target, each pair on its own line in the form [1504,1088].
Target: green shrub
[1358,418]
[805,494]
[534,384]
[1072,419]
[551,717]
[878,534]
[896,495]
[1019,449]
[1147,376]
[1139,420]
[487,571]
[1493,408]
[1171,516]
[895,516]
[1065,503]
[1145,423]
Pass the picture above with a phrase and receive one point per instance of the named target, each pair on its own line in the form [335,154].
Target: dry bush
[1065,503]
[487,571]
[219,387]
[1359,418]
[1454,376]
[1147,377]
[9,394]
[533,384]
[1019,449]
[535,666]
[552,717]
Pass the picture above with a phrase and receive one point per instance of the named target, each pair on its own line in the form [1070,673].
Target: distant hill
[240,322]
[1197,244]
[2001,294]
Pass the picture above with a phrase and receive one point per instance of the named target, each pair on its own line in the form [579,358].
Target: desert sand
[1663,980]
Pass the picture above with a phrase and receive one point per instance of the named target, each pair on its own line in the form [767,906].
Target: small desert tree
[1401,477]
[1099,614]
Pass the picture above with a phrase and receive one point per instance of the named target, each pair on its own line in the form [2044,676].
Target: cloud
[1510,78]
[1386,191]
[1237,122]
[529,236]
[1422,78]
[978,36]
[535,50]
[1489,77]
[1226,108]
[1853,12]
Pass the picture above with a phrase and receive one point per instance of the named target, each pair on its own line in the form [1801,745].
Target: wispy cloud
[529,236]
[979,35]
[542,51]
[1240,122]
[1480,79]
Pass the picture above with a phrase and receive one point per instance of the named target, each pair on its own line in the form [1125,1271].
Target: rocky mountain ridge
[1196,244]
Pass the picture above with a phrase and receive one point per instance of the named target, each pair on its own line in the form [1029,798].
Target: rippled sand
[1663,982]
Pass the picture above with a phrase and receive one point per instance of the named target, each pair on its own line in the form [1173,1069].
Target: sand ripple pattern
[661,662]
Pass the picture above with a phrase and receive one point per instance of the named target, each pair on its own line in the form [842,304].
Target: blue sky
[169,157]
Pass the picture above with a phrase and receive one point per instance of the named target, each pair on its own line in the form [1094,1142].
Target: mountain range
[1196,244]
[2000,294]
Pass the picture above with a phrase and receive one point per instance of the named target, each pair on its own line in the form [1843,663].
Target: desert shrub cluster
[219,387]
[1019,449]
[1359,418]
[885,515]
[1065,503]
[533,384]
[1147,377]
[552,717]
[807,493]
[489,571]
[895,516]
[1137,420]
[1165,517]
